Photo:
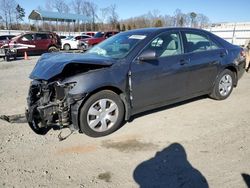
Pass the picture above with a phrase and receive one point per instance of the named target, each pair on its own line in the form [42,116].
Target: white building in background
[236,33]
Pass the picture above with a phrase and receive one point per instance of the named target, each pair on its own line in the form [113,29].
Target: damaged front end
[48,106]
[51,102]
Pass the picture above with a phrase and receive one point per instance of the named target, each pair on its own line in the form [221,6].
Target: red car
[37,43]
[99,37]
[90,33]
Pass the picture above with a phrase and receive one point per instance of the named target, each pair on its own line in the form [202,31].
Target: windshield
[118,46]
[69,37]
[99,35]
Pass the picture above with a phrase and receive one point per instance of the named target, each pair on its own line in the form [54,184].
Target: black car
[129,73]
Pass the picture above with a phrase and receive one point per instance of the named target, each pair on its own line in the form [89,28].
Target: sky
[215,10]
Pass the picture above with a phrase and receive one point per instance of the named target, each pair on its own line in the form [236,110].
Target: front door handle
[222,54]
[184,61]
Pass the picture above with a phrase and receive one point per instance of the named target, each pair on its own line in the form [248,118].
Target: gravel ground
[199,143]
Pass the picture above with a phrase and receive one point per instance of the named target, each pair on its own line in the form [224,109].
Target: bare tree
[113,16]
[89,9]
[58,5]
[76,5]
[169,20]
[103,16]
[203,21]
[7,11]
[48,5]
[66,8]
[40,8]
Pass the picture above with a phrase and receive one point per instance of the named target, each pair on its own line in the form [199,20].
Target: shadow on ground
[246,178]
[169,168]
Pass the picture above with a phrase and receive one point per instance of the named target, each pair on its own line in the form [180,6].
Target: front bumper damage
[51,106]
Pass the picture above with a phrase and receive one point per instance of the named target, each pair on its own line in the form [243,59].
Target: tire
[102,114]
[66,47]
[40,131]
[52,49]
[34,124]
[223,86]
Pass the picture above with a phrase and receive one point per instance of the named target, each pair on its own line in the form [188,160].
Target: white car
[73,43]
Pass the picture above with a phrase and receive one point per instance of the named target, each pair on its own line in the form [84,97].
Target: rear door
[42,42]
[163,79]
[205,57]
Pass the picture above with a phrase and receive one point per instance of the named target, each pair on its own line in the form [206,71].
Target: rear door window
[41,36]
[196,42]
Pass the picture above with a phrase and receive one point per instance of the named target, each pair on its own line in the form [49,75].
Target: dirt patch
[17,118]
[77,149]
[128,145]
[105,176]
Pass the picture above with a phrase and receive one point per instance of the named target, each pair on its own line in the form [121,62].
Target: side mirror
[147,55]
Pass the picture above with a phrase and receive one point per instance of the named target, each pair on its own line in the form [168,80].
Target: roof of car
[155,29]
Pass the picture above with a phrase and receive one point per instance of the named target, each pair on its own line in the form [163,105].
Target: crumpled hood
[52,64]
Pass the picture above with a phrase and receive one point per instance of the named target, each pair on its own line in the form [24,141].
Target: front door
[157,81]
[27,43]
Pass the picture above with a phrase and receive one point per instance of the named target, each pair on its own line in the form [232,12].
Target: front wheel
[102,114]
[223,86]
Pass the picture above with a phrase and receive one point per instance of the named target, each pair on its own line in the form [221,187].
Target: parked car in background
[73,43]
[99,37]
[41,42]
[5,39]
[129,73]
[62,37]
[90,33]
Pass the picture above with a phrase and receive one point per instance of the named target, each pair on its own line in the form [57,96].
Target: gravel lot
[199,143]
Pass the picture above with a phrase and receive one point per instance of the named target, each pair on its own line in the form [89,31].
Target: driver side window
[166,44]
[27,37]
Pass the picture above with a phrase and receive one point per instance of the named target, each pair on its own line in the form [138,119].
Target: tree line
[101,18]
[11,14]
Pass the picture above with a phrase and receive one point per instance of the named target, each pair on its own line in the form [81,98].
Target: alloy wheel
[225,85]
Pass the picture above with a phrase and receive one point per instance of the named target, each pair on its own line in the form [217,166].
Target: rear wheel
[52,49]
[223,86]
[66,47]
[102,114]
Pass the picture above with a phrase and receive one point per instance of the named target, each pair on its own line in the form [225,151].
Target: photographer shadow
[169,168]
